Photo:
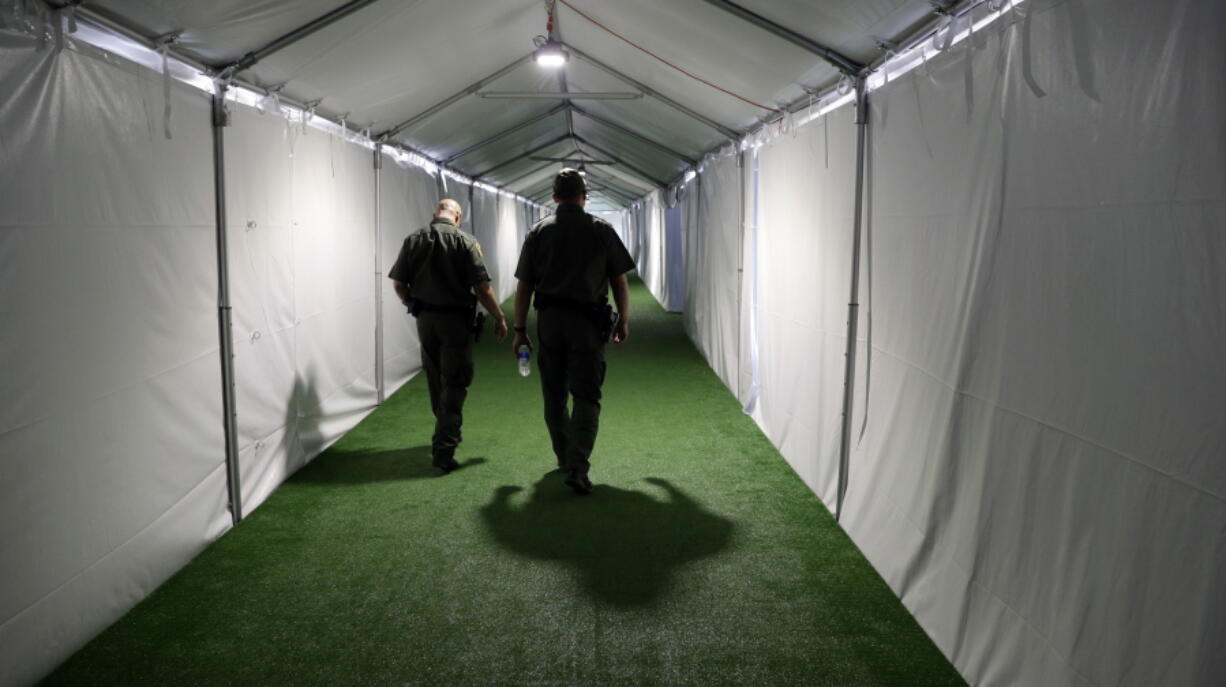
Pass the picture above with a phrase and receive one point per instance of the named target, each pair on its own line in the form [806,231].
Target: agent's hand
[500,329]
[621,332]
[520,339]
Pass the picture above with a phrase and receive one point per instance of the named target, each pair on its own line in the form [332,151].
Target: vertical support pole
[740,276]
[380,390]
[853,305]
[224,311]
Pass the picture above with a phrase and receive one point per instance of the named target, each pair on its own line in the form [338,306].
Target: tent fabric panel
[391,61]
[108,281]
[263,276]
[713,249]
[474,120]
[219,31]
[408,196]
[513,145]
[802,267]
[1040,477]
[515,160]
[851,27]
[334,256]
[674,252]
[656,120]
[697,37]
[659,164]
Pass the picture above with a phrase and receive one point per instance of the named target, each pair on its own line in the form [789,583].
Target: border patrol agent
[569,260]
[440,275]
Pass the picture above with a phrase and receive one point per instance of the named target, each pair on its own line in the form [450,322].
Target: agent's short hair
[448,205]
[569,184]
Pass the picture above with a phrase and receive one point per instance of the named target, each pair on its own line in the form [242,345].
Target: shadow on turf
[626,546]
[364,467]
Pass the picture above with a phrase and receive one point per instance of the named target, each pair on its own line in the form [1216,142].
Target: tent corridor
[701,558]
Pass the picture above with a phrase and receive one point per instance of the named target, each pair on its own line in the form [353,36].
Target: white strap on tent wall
[163,48]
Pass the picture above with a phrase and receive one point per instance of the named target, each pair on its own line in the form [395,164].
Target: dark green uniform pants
[447,356]
[571,360]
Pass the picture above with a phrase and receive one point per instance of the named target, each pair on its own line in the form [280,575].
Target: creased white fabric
[408,196]
[712,261]
[1042,477]
[803,262]
[111,448]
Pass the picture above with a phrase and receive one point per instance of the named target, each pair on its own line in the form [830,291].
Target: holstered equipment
[601,314]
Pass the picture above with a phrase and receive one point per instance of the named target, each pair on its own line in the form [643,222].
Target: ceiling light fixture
[549,53]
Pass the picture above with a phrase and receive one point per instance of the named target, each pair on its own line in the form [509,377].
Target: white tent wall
[333,197]
[1039,478]
[112,470]
[512,227]
[1042,476]
[674,253]
[407,198]
[803,253]
[497,230]
[712,264]
[652,255]
[300,207]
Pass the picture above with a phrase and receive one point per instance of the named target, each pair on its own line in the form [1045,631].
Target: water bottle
[524,368]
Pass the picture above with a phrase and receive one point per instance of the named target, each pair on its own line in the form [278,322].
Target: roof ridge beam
[728,132]
[637,171]
[525,175]
[506,132]
[838,60]
[250,59]
[521,156]
[439,106]
[635,135]
[609,183]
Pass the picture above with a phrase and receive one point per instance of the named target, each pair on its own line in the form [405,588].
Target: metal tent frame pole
[726,131]
[837,60]
[636,136]
[636,170]
[469,90]
[224,310]
[853,305]
[505,132]
[380,388]
[250,59]
[521,156]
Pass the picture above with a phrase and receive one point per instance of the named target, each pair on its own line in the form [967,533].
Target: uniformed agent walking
[440,275]
[569,260]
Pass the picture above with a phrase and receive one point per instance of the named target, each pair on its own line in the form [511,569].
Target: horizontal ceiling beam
[250,59]
[525,175]
[612,190]
[521,156]
[559,95]
[840,62]
[506,132]
[636,136]
[637,171]
[726,131]
[469,90]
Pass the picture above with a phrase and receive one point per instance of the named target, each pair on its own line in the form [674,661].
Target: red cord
[636,45]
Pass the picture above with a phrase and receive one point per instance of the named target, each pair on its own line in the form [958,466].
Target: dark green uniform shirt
[441,264]
[573,255]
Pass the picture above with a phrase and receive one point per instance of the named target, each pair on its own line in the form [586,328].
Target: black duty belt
[417,306]
[544,301]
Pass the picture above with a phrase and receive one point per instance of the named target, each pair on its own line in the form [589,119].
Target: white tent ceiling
[385,62]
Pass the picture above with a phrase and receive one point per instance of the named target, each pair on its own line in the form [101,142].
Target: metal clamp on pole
[224,312]
[853,305]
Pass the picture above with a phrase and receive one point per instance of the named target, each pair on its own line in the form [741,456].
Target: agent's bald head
[450,209]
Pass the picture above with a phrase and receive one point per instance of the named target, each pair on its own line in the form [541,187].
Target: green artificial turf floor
[700,559]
